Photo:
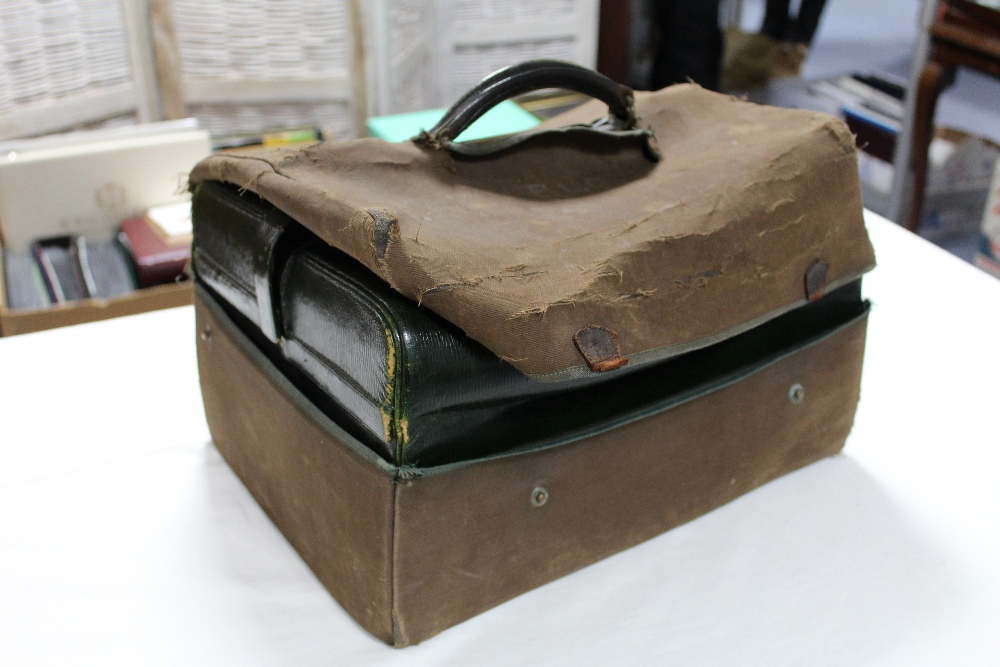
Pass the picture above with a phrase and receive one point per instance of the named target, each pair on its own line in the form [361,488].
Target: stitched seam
[398,636]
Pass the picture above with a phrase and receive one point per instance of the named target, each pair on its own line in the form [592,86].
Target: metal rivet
[206,333]
[796,393]
[539,496]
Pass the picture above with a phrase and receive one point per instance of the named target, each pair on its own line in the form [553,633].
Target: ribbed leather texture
[239,246]
[414,380]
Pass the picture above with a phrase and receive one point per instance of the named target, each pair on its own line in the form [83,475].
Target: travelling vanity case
[451,371]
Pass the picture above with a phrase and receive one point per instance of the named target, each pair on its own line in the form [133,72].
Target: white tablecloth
[125,539]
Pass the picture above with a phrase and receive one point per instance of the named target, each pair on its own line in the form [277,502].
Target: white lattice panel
[471,62]
[492,11]
[425,54]
[62,63]
[252,65]
[262,39]
[408,78]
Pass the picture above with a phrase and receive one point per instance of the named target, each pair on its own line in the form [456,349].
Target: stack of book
[159,243]
[66,268]
[66,255]
[151,249]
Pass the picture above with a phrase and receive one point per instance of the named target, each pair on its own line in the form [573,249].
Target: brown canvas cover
[536,249]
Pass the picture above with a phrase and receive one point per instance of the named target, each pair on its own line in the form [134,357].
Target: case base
[409,552]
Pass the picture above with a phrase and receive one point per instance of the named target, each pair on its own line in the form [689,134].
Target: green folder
[504,118]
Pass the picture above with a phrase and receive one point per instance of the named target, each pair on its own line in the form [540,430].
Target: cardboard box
[958,181]
[988,256]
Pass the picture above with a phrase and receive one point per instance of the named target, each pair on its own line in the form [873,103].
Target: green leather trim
[661,406]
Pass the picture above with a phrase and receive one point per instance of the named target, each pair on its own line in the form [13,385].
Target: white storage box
[88,182]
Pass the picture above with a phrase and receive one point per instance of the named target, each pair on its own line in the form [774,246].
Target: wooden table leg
[934,79]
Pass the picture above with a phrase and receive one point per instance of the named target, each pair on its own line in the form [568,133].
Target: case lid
[683,219]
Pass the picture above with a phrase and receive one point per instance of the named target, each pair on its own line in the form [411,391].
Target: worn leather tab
[816,279]
[599,346]
[382,232]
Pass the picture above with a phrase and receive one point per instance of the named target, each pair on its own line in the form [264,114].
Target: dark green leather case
[411,385]
[241,243]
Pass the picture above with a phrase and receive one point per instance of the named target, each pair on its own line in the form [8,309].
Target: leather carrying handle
[526,77]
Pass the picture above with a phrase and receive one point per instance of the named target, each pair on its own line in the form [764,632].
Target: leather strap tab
[599,346]
[815,279]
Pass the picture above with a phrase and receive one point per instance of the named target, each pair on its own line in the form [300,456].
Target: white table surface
[125,539]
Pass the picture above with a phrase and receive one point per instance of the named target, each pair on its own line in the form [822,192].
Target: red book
[157,261]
